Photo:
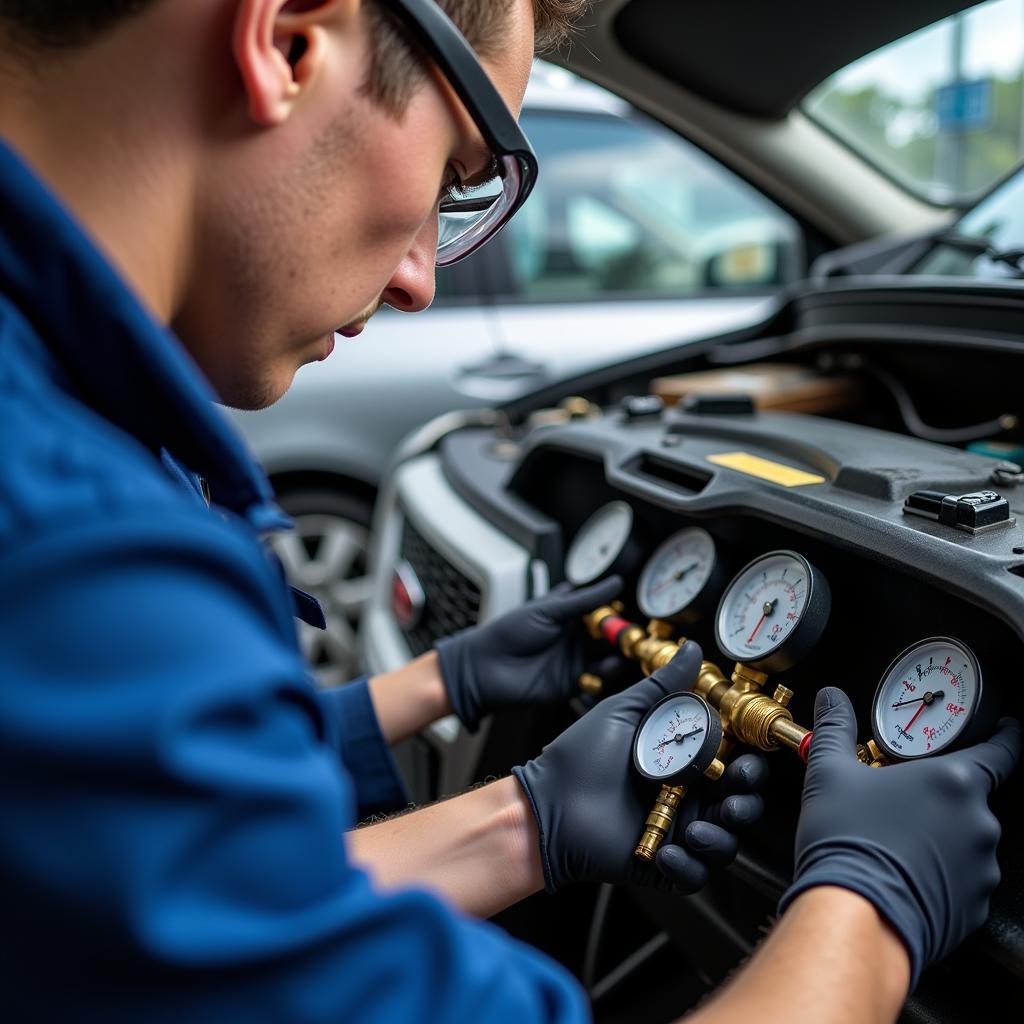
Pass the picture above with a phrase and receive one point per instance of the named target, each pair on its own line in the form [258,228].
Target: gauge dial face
[600,541]
[676,573]
[926,698]
[763,606]
[673,736]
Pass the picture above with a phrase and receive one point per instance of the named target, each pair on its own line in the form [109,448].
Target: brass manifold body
[748,715]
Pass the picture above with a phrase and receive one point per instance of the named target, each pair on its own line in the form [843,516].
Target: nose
[411,288]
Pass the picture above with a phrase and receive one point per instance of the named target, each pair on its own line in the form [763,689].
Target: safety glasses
[477,213]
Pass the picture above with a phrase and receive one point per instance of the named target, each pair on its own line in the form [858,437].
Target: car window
[987,242]
[625,207]
[939,110]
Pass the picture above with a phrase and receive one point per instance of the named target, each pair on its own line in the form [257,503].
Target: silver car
[633,241]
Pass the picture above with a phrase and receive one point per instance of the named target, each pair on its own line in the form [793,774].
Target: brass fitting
[783,694]
[748,715]
[593,620]
[659,821]
[875,757]
[652,652]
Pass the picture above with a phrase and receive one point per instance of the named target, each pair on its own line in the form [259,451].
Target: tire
[326,556]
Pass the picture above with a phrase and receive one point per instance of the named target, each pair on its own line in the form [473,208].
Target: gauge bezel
[705,755]
[979,725]
[703,598]
[625,556]
[805,633]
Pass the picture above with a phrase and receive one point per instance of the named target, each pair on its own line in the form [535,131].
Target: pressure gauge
[773,612]
[932,698]
[680,575]
[677,740]
[602,546]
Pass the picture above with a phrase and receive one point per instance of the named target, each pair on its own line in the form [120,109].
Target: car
[634,239]
[863,434]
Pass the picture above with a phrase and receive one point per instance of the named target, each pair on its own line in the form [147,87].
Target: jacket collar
[129,368]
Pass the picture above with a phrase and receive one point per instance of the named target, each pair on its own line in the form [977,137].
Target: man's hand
[916,839]
[591,806]
[532,655]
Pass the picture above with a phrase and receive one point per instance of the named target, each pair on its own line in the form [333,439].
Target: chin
[251,396]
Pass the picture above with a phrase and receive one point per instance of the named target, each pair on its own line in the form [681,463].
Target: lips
[329,348]
[350,332]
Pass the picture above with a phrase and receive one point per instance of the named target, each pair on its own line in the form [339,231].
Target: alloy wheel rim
[325,555]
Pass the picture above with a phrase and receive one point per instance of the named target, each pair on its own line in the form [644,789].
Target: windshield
[997,220]
[940,110]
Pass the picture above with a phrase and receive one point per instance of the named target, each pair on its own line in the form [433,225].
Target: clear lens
[467,223]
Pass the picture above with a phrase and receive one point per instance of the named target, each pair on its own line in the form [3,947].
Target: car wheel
[326,556]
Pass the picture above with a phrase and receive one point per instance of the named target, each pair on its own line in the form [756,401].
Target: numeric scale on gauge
[932,698]
[678,741]
[773,612]
[682,576]
[603,545]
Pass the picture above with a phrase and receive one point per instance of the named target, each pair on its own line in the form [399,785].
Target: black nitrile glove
[591,806]
[916,839]
[533,655]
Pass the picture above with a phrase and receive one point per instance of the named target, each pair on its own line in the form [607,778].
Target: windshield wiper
[1012,258]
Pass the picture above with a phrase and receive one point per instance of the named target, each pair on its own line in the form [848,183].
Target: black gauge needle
[927,698]
[679,737]
[675,577]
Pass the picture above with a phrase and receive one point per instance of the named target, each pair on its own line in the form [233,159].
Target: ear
[280,46]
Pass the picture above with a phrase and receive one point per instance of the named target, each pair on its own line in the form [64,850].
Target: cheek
[400,169]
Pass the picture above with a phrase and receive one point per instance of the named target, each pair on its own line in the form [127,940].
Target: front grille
[452,601]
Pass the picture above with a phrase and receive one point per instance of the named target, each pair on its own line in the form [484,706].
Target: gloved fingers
[616,672]
[747,774]
[997,757]
[615,666]
[686,872]
[564,604]
[835,726]
[713,844]
[681,672]
[735,812]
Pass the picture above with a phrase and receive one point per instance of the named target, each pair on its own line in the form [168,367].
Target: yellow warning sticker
[763,469]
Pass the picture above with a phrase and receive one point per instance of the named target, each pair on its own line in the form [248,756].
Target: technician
[197,194]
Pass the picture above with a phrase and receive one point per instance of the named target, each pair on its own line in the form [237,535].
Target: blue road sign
[964,106]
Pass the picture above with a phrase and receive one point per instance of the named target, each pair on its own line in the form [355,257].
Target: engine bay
[729,514]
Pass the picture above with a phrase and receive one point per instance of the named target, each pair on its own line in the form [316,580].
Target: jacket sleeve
[355,733]
[173,842]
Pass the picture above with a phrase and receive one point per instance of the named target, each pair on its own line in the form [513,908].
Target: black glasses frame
[434,31]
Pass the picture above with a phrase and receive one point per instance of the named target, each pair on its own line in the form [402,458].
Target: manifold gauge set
[932,697]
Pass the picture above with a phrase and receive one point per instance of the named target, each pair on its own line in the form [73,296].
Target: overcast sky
[994,46]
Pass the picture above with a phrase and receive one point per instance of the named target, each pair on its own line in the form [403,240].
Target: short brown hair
[396,65]
[64,23]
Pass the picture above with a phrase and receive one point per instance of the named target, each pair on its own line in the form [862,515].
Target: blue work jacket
[175,792]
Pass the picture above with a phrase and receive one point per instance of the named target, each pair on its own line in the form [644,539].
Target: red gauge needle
[914,719]
[925,701]
[760,623]
[769,607]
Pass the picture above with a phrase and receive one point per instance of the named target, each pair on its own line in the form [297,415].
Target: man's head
[283,157]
